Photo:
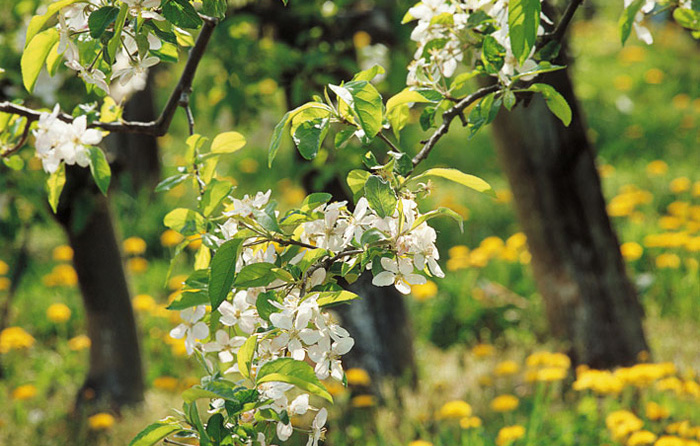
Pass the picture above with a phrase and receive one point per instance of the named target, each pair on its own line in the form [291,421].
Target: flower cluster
[283,284]
[450,32]
[58,141]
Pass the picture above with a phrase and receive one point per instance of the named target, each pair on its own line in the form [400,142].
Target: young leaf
[555,102]
[37,22]
[627,19]
[365,102]
[277,138]
[100,19]
[255,275]
[368,75]
[244,357]
[437,213]
[356,181]
[154,433]
[227,142]
[181,13]
[458,177]
[329,298]
[223,270]
[171,182]
[116,40]
[294,372]
[34,56]
[381,196]
[185,221]
[99,168]
[523,21]
[309,136]
[215,193]
[189,299]
[55,184]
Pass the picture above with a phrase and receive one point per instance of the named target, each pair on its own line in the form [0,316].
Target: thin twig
[564,23]
[160,126]
[177,443]
[447,118]
[384,138]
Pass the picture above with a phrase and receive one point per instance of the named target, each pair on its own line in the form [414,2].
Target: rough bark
[115,374]
[575,252]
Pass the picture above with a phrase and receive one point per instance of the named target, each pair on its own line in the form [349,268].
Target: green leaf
[100,19]
[255,275]
[484,112]
[181,13]
[245,354]
[555,101]
[309,136]
[215,428]
[215,193]
[523,21]
[542,67]
[38,22]
[368,75]
[294,372]
[687,18]
[627,19]
[189,299]
[116,40]
[365,102]
[227,142]
[312,201]
[219,388]
[185,221]
[438,213]
[356,181]
[14,162]
[223,271]
[508,99]
[264,306]
[404,97]
[492,55]
[156,432]
[458,177]
[35,55]
[381,196]
[277,138]
[99,168]
[53,60]
[55,184]
[329,298]
[171,182]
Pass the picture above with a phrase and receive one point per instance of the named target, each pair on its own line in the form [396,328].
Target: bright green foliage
[555,101]
[99,168]
[523,21]
[35,55]
[223,268]
[288,370]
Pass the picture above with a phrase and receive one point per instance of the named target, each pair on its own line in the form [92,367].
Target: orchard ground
[643,110]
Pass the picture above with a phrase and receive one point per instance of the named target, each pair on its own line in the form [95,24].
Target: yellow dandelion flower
[621,423]
[170,238]
[15,338]
[361,39]
[58,313]
[80,342]
[167,383]
[134,246]
[358,377]
[656,412]
[551,374]
[361,401]
[25,392]
[670,222]
[424,291]
[195,242]
[679,185]
[248,165]
[137,265]
[671,384]
[680,209]
[470,422]
[602,382]
[505,403]
[509,434]
[654,76]
[641,438]
[4,268]
[516,241]
[63,253]
[61,275]
[455,409]
[657,168]
[504,196]
[101,421]
[696,189]
[505,368]
[334,387]
[177,282]
[606,170]
[420,443]
[631,251]
[5,283]
[631,54]
[623,82]
[668,440]
[667,260]
[483,350]
[143,302]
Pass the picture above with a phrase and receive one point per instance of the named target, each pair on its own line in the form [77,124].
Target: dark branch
[563,25]
[20,143]
[447,118]
[160,126]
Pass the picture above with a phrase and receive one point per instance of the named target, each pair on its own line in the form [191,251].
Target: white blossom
[191,328]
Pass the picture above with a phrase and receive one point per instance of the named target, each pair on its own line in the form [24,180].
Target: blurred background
[477,358]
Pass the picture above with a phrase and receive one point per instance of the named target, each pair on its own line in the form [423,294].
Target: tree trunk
[115,373]
[575,252]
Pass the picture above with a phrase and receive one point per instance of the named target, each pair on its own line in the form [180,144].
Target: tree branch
[447,118]
[563,25]
[160,126]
